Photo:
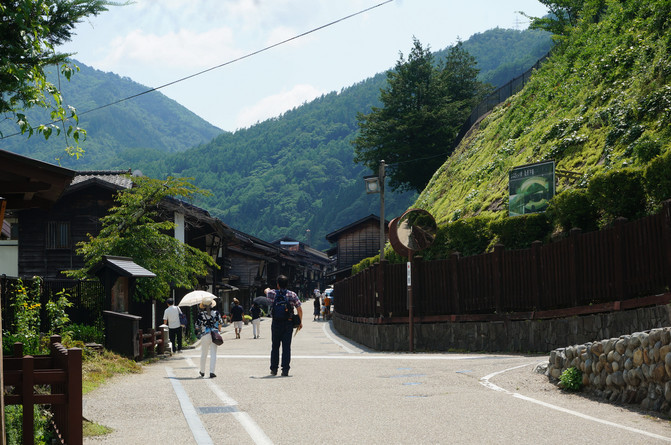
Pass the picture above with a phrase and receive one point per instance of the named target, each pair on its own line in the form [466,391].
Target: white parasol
[196,297]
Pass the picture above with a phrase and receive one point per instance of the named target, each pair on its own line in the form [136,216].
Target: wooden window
[58,235]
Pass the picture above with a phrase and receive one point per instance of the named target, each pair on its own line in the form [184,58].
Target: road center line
[190,414]
[243,418]
[484,381]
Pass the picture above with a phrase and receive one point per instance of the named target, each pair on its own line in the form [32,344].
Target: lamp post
[375,184]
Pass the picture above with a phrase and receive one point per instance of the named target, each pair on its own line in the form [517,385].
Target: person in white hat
[208,320]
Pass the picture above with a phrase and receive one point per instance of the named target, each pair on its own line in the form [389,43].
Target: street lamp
[375,184]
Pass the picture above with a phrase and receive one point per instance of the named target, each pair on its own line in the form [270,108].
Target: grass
[91,429]
[98,368]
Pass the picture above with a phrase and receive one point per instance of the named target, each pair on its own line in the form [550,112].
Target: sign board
[409,273]
[531,187]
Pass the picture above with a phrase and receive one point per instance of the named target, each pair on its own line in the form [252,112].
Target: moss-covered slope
[602,101]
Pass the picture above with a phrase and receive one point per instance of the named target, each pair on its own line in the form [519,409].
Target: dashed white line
[485,382]
[190,414]
[251,427]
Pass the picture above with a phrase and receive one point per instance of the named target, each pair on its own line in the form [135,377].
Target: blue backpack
[281,309]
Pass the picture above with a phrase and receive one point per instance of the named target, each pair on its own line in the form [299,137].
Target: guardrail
[61,370]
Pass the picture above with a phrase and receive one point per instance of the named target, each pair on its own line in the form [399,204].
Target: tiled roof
[114,177]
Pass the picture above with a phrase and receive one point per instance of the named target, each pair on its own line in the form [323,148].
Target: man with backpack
[282,303]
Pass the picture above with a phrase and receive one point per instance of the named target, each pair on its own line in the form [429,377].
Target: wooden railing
[627,261]
[151,340]
[61,370]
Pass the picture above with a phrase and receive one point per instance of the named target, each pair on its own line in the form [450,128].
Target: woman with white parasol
[208,320]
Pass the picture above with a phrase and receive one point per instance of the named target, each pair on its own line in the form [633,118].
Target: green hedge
[520,231]
[658,178]
[573,208]
[618,193]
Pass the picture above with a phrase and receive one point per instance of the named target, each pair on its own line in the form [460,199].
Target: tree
[30,30]
[424,107]
[134,228]
[565,14]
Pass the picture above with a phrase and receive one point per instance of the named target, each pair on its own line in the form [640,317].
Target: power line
[151,90]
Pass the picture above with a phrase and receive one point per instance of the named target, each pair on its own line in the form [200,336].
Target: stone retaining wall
[509,336]
[633,368]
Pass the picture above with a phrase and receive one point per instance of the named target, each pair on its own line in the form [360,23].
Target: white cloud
[184,49]
[276,104]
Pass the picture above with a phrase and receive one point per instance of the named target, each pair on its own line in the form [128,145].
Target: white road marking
[335,340]
[252,428]
[485,382]
[190,414]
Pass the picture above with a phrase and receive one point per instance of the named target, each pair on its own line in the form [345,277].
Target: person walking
[282,302]
[207,321]
[317,308]
[171,318]
[256,319]
[236,317]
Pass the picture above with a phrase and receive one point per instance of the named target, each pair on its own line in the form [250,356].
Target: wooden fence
[151,340]
[624,262]
[61,370]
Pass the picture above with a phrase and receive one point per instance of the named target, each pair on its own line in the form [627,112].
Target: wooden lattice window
[58,235]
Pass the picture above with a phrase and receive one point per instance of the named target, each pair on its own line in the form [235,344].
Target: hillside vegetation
[296,172]
[151,124]
[601,102]
[281,177]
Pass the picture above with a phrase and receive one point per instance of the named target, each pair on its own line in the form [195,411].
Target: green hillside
[601,102]
[281,177]
[296,173]
[152,123]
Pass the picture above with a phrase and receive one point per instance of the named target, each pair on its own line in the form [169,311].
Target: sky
[157,42]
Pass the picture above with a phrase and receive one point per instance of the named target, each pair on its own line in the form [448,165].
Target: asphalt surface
[341,393]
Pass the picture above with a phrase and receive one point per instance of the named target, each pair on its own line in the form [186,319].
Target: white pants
[205,344]
[256,324]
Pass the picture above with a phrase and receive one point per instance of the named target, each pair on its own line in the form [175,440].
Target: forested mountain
[151,124]
[295,172]
[600,103]
[281,177]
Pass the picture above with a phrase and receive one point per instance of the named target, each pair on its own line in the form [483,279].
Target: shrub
[468,236]
[571,379]
[85,333]
[573,208]
[618,193]
[520,231]
[657,178]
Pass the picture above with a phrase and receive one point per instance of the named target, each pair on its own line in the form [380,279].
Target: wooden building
[25,183]
[353,243]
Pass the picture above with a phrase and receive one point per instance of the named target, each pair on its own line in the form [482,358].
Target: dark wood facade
[48,237]
[355,242]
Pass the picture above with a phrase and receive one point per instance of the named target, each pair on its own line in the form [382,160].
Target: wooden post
[577,286]
[666,209]
[74,409]
[619,264]
[140,338]
[454,275]
[498,267]
[27,384]
[411,313]
[535,274]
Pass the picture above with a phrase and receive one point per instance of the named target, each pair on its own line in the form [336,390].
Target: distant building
[353,243]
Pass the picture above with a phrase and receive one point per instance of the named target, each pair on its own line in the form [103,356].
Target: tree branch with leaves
[30,31]
[135,228]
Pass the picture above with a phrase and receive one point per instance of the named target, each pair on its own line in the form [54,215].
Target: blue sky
[155,42]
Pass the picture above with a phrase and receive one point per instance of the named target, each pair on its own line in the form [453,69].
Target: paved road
[341,393]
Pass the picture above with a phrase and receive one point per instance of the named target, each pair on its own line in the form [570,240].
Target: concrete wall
[510,336]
